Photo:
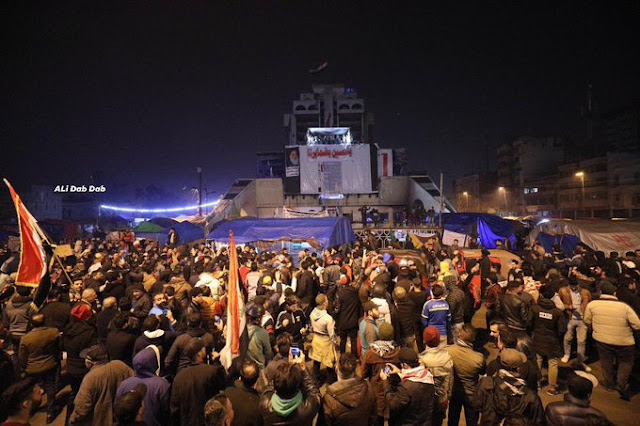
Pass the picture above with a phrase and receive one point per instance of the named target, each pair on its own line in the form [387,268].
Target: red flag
[33,259]
[236,320]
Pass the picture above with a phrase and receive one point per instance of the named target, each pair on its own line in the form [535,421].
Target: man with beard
[18,401]
[161,310]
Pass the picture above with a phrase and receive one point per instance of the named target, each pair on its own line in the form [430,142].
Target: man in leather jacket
[515,312]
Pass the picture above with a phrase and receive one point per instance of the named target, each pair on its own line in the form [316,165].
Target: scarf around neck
[284,407]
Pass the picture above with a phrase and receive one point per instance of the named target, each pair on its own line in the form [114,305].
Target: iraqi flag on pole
[33,258]
[237,338]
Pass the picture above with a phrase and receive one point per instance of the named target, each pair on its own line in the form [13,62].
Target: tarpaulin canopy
[164,222]
[605,235]
[322,232]
[188,232]
[488,227]
[148,227]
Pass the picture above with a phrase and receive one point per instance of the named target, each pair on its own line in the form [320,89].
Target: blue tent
[188,232]
[324,232]
[488,227]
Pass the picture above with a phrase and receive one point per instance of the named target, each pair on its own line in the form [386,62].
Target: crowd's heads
[195,350]
[129,407]
[379,291]
[96,354]
[399,293]
[608,288]
[371,309]
[467,334]
[150,323]
[287,380]
[408,356]
[512,359]
[283,343]
[581,384]
[20,399]
[437,291]
[249,373]
[109,303]
[431,337]
[321,301]
[385,331]
[218,411]
[346,367]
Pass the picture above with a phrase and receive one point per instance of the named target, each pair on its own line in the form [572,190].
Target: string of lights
[157,210]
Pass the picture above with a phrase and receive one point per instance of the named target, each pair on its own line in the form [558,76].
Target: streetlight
[466,204]
[504,196]
[580,175]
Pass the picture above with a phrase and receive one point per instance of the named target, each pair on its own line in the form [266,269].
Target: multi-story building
[329,105]
[480,192]
[620,129]
[525,160]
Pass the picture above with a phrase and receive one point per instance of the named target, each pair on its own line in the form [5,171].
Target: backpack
[508,406]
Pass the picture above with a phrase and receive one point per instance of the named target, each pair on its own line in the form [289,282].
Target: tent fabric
[188,232]
[323,232]
[567,242]
[488,227]
[604,235]
[148,227]
[164,222]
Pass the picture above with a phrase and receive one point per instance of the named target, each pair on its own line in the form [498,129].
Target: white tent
[599,234]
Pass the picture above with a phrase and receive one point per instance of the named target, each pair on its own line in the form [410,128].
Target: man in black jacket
[193,386]
[513,309]
[349,401]
[576,409]
[406,319]
[348,310]
[244,397]
[410,392]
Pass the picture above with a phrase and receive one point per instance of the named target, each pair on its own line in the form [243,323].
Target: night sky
[145,91]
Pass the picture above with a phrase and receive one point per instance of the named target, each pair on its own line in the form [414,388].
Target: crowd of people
[131,334]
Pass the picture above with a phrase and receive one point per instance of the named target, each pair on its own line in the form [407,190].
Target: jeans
[353,337]
[459,400]
[553,369]
[622,356]
[579,327]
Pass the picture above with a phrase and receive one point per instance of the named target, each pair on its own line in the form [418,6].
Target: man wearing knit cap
[381,352]
[409,392]
[438,361]
[613,323]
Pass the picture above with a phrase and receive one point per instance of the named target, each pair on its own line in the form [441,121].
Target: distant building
[270,164]
[620,129]
[329,105]
[525,160]
[480,192]
[43,203]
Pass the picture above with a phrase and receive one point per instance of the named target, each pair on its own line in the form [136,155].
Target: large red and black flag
[34,250]
[237,338]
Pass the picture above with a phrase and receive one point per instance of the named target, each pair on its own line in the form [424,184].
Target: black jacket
[573,412]
[349,403]
[77,336]
[103,319]
[192,388]
[120,346]
[514,311]
[348,306]
[410,403]
[549,327]
[56,314]
[245,403]
[304,414]
[406,318]
[498,403]
[304,288]
[176,359]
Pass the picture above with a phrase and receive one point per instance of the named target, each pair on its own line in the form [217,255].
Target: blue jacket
[156,402]
[436,313]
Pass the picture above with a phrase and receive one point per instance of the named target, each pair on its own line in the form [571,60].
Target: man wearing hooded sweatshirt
[16,315]
[146,365]
[323,326]
[505,397]
[381,352]
[409,392]
[436,358]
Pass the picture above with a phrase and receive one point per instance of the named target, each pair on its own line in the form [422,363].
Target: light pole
[466,202]
[504,196]
[581,176]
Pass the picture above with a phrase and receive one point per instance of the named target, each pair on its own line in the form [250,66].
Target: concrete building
[620,129]
[480,192]
[329,105]
[270,164]
[525,160]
